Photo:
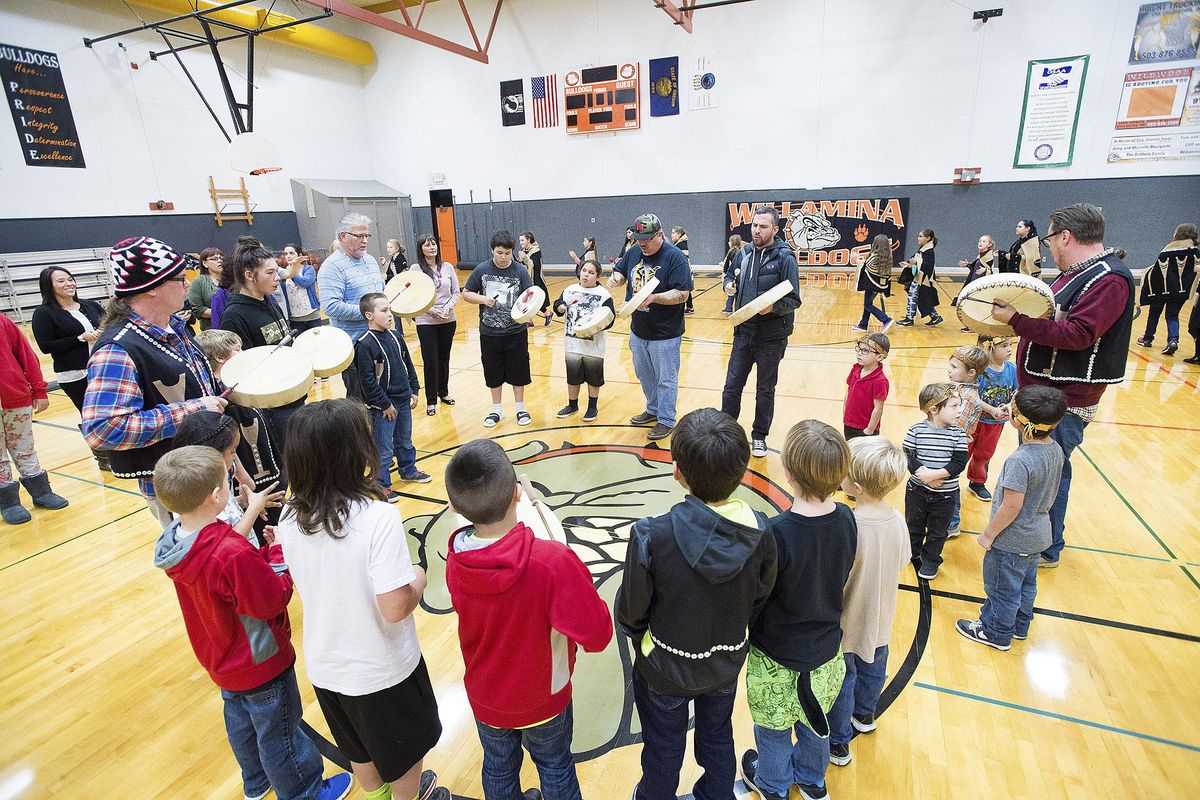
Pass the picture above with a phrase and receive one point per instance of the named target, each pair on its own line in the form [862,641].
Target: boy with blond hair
[234,599]
[966,365]
[877,467]
[795,668]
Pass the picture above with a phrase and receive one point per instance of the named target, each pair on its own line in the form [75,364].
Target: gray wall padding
[186,232]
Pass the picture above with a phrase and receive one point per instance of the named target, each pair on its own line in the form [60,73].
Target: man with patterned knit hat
[1084,347]
[145,373]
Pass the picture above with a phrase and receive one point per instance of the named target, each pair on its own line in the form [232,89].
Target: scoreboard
[603,99]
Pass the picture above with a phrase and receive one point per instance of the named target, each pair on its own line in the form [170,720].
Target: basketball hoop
[254,154]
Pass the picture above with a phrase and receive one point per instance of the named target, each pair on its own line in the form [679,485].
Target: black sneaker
[973,629]
[659,431]
[811,791]
[750,772]
[532,794]
[937,320]
[863,723]
[390,496]
[591,414]
[980,491]
[839,754]
[568,410]
[927,573]
[907,322]
[1020,636]
[644,418]
[417,477]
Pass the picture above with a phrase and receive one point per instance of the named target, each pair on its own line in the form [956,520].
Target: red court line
[69,463]
[1163,369]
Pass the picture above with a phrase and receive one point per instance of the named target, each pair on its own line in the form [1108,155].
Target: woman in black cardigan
[65,327]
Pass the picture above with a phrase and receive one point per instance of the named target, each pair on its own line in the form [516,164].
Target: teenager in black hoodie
[694,580]
[253,315]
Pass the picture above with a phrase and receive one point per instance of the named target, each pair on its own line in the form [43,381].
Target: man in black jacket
[762,340]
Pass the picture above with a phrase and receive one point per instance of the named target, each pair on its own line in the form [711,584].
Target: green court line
[1105,552]
[73,538]
[94,483]
[1138,516]
[1061,717]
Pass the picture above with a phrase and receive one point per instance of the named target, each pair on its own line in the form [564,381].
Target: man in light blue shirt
[345,276]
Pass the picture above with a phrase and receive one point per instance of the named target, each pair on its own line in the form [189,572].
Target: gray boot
[39,489]
[10,504]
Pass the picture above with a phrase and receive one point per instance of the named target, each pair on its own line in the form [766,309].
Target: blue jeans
[751,352]
[1010,583]
[394,437]
[781,763]
[664,720]
[1069,435]
[656,364]
[263,730]
[1154,310]
[549,746]
[869,309]
[860,693]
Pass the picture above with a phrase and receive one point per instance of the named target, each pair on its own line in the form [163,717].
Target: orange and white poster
[1153,98]
[603,99]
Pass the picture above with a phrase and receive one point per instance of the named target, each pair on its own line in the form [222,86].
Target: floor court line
[94,483]
[73,538]
[1067,615]
[1160,559]
[1162,369]
[1061,717]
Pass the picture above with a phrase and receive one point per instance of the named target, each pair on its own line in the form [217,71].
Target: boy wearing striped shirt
[936,449]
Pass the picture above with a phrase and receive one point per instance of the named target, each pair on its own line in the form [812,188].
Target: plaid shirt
[114,417]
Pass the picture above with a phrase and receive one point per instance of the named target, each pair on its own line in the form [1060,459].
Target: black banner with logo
[828,233]
[512,102]
[41,113]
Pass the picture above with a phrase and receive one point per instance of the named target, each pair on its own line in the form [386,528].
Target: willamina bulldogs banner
[829,232]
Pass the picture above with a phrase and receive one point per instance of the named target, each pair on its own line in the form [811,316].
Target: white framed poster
[1050,113]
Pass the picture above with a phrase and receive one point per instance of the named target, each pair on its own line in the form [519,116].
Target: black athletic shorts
[505,359]
[393,728]
[584,369]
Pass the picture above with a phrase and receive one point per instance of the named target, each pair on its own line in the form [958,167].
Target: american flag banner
[545,101]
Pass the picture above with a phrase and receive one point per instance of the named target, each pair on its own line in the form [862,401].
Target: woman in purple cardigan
[436,327]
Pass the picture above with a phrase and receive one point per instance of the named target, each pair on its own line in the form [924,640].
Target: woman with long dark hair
[436,327]
[200,292]
[922,291]
[875,280]
[253,314]
[735,246]
[531,256]
[65,327]
[589,251]
[1025,254]
[298,289]
[628,243]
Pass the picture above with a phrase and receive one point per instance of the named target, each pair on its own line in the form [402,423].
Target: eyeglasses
[362,237]
[1045,240]
[181,279]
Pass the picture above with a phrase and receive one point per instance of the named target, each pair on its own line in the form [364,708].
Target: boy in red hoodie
[234,600]
[524,605]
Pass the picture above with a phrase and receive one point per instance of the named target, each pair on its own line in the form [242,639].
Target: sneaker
[1021,636]
[810,791]
[980,491]
[337,787]
[689,311]
[1146,341]
[659,431]
[750,773]
[256,796]
[758,448]
[389,495]
[973,629]
[936,320]
[567,410]
[417,477]
[523,418]
[428,785]
[1171,348]
[907,322]
[965,329]
[839,754]
[644,418]
[1047,563]
[863,723]
[927,573]
[887,326]
[953,533]
[591,414]
[532,794]
[1193,360]
[492,420]
[858,329]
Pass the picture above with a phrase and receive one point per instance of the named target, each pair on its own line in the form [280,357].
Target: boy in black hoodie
[694,579]
[795,667]
[389,388]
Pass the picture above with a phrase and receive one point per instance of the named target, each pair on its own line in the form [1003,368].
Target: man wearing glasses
[1083,349]
[345,277]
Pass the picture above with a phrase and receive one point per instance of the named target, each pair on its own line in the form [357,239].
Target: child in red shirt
[866,387]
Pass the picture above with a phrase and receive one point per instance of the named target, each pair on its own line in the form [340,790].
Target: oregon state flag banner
[512,102]
[664,86]
[828,233]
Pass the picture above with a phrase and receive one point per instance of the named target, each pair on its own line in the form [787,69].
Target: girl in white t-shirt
[348,555]
[585,355]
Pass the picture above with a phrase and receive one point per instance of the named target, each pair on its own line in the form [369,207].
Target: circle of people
[743,591]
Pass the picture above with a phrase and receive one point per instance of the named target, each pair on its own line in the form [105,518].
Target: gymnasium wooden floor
[100,695]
